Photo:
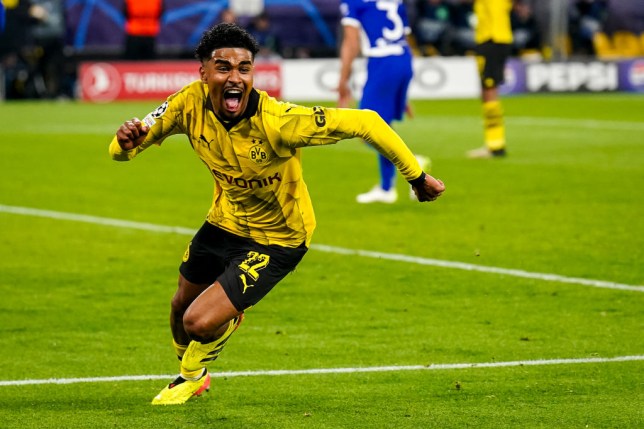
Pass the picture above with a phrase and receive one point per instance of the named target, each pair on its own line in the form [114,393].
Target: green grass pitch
[85,300]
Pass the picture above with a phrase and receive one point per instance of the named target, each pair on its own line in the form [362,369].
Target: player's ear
[202,73]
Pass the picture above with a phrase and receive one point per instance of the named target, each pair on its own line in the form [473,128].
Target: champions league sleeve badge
[156,113]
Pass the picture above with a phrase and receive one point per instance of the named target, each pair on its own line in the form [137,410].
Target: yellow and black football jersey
[493,21]
[255,160]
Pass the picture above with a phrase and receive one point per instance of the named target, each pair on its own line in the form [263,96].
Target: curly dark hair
[225,35]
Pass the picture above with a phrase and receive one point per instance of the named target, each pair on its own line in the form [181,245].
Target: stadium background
[576,48]
[513,301]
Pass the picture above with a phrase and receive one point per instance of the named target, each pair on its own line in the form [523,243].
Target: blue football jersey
[384,25]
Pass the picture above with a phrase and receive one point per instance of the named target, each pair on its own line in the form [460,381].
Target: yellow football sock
[493,126]
[179,349]
[198,355]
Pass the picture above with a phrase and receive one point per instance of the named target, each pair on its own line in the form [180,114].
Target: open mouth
[232,99]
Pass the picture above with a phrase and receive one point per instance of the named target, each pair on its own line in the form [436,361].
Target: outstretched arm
[374,130]
[427,188]
[312,126]
[349,50]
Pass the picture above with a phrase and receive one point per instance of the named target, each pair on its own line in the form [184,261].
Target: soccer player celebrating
[261,219]
[379,30]
[493,38]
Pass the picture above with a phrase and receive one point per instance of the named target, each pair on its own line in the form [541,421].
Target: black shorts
[246,269]
[491,58]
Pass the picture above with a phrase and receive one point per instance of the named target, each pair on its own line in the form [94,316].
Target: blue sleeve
[1,17]
[351,9]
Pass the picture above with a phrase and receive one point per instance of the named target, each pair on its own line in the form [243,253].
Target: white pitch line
[331,249]
[433,367]
[27,211]
[479,268]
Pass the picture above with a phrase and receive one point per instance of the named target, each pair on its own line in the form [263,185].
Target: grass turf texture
[87,300]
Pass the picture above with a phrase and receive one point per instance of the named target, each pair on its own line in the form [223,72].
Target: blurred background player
[51,62]
[20,56]
[432,26]
[228,15]
[493,38]
[526,36]
[379,30]
[463,23]
[142,26]
[586,18]
[267,38]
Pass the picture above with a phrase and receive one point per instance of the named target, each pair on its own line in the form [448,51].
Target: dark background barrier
[304,27]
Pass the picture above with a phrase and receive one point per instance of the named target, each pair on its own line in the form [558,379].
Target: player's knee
[185,295]
[205,329]
[198,328]
[178,305]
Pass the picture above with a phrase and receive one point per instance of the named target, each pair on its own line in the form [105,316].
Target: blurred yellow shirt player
[493,21]
[493,38]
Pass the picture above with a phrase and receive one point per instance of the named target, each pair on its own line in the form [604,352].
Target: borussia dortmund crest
[258,155]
